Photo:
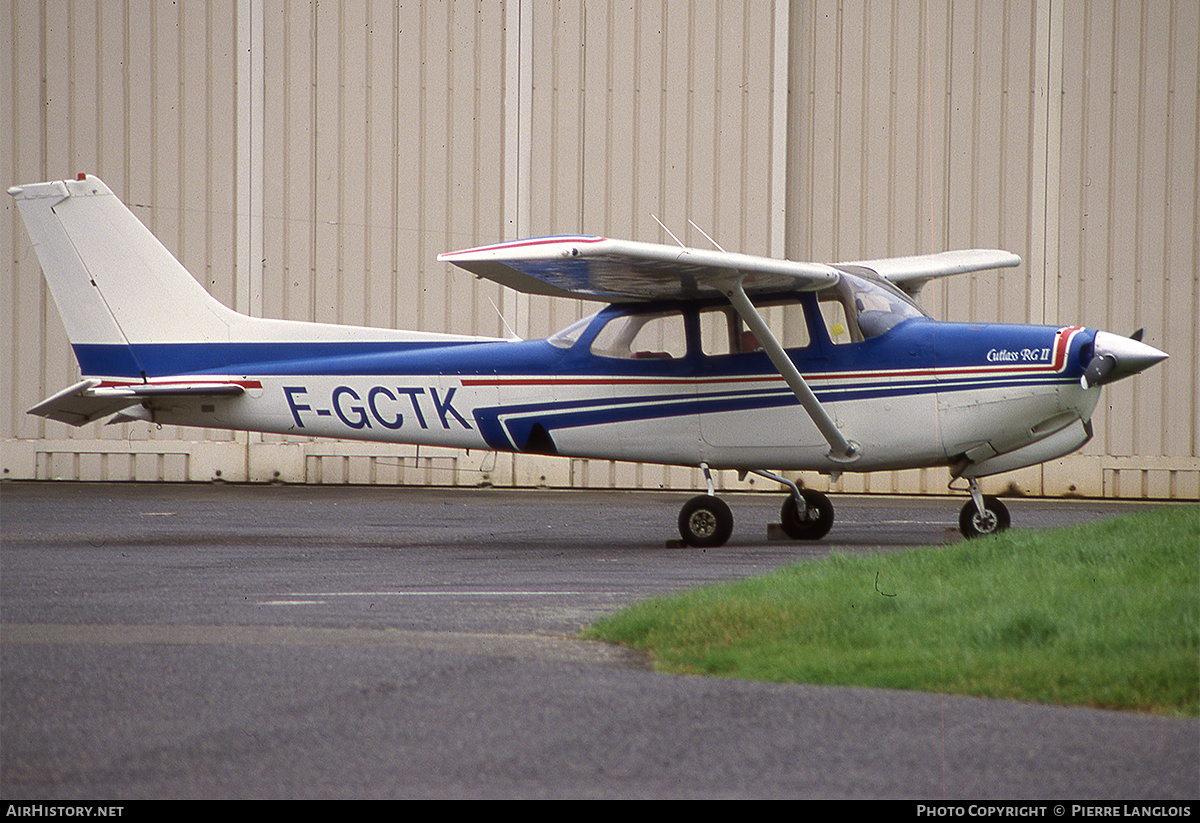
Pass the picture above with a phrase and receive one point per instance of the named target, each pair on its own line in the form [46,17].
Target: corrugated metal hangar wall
[310,161]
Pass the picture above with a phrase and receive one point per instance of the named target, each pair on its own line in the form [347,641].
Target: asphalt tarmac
[212,641]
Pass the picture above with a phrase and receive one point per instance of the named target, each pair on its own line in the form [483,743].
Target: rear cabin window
[642,337]
[566,338]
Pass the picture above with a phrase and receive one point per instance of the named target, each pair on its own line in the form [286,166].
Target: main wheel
[705,522]
[811,524]
[992,520]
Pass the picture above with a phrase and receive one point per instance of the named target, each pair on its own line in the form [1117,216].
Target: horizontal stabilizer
[90,400]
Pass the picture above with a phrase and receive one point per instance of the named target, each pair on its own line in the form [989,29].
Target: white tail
[112,280]
[116,285]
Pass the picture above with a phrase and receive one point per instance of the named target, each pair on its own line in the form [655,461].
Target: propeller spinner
[1116,357]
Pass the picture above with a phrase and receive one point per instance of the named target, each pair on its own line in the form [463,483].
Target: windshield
[876,304]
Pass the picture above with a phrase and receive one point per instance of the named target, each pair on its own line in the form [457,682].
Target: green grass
[1103,615]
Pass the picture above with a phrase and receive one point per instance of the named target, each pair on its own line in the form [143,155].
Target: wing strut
[841,450]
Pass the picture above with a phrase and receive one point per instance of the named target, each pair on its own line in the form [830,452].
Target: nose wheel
[982,515]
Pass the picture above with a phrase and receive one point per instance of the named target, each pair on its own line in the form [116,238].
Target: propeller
[1115,357]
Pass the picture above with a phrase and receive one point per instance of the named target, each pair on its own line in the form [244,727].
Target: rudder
[112,280]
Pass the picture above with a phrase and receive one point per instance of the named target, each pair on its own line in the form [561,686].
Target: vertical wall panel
[1180,236]
[1128,235]
[560,40]
[388,132]
[23,118]
[1111,156]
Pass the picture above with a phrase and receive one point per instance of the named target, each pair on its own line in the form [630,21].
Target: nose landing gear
[982,515]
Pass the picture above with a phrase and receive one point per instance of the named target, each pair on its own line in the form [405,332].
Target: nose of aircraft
[1115,357]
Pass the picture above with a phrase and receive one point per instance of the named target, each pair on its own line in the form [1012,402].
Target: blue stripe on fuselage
[329,358]
[962,355]
[532,357]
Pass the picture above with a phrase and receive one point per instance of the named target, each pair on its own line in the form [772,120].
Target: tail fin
[131,309]
[112,280]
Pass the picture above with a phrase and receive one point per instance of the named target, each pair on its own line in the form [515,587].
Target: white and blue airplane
[701,358]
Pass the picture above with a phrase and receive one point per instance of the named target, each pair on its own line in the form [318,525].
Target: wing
[912,273]
[597,268]
[93,399]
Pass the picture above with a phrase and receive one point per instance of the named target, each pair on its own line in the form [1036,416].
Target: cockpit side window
[718,331]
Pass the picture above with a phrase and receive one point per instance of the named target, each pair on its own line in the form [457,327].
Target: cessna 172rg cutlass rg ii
[700,358]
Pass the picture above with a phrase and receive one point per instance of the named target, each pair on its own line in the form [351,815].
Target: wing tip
[522,247]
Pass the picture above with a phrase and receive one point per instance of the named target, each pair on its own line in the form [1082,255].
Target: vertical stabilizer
[112,280]
[127,303]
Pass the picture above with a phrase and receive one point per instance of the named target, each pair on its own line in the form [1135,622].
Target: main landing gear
[706,521]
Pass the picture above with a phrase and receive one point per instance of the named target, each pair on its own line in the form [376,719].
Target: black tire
[816,520]
[993,520]
[705,522]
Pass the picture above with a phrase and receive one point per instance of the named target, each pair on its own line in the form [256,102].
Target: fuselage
[916,393]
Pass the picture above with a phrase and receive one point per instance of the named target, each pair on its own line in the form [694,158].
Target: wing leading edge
[597,268]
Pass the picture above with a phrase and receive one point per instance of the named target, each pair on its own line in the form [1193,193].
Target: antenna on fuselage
[512,335]
[668,231]
[706,237]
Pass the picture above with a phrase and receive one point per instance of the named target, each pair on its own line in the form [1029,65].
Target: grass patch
[1103,615]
